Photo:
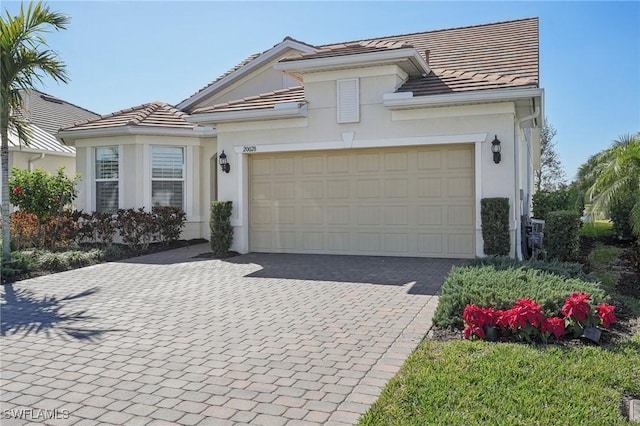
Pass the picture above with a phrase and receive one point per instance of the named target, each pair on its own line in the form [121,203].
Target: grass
[462,382]
[477,383]
[598,228]
[602,260]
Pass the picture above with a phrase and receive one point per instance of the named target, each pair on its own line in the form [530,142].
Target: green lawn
[598,228]
[478,383]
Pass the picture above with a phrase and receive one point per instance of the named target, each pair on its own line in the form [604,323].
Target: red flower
[528,312]
[553,325]
[605,312]
[478,317]
[577,306]
[17,190]
[471,330]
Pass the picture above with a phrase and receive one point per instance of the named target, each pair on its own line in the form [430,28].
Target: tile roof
[352,48]
[50,113]
[262,101]
[442,81]
[240,65]
[154,114]
[502,48]
[41,141]
[488,56]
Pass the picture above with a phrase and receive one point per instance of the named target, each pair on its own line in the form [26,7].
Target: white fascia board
[68,137]
[359,59]
[393,102]
[250,115]
[40,151]
[256,63]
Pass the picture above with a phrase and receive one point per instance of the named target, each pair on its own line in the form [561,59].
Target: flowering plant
[526,320]
[579,315]
[475,319]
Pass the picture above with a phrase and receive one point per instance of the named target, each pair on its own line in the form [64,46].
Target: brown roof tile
[480,57]
[154,114]
[504,48]
[262,101]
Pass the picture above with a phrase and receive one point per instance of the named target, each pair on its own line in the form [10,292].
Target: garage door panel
[396,188]
[399,202]
[396,161]
[429,160]
[429,187]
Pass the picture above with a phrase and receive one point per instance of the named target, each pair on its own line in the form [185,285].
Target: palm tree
[616,173]
[26,60]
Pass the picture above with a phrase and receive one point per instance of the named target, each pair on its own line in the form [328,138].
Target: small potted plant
[583,320]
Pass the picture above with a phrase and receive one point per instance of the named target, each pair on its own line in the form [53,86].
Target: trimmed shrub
[545,202]
[620,213]
[170,220]
[137,228]
[220,226]
[495,225]
[555,267]
[20,264]
[500,289]
[562,235]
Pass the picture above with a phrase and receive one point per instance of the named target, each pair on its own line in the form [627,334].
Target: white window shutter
[348,100]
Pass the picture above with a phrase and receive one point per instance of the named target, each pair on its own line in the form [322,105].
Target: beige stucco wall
[135,174]
[261,80]
[378,126]
[50,163]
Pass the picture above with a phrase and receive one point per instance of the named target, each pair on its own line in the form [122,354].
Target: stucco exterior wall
[50,163]
[135,173]
[378,126]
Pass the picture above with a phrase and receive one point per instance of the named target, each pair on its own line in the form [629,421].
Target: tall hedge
[562,235]
[220,226]
[495,225]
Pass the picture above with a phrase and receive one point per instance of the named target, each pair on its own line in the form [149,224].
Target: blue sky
[124,53]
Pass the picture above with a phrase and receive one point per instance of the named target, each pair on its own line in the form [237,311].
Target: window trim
[95,179]
[183,179]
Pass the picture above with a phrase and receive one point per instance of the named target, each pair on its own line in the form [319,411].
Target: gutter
[72,135]
[34,159]
[406,100]
[516,157]
[279,111]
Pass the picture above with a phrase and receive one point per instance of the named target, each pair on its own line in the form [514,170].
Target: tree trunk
[6,235]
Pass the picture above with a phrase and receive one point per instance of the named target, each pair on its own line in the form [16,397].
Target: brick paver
[169,338]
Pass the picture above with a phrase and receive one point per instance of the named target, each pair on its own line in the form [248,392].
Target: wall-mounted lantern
[224,165]
[495,148]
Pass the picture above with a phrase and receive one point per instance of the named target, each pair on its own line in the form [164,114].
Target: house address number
[249,148]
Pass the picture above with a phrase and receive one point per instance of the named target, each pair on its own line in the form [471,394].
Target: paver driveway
[172,339]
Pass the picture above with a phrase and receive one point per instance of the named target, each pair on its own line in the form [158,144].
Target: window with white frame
[167,176]
[107,179]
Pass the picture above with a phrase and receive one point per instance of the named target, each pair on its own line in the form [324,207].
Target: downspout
[34,159]
[516,162]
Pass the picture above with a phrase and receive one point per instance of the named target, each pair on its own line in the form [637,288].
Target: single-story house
[381,147]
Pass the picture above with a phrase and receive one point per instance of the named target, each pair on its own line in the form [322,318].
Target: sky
[121,54]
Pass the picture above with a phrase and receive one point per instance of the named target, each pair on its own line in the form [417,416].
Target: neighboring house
[44,115]
[372,147]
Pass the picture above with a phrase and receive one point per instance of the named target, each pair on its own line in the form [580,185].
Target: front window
[167,176]
[107,179]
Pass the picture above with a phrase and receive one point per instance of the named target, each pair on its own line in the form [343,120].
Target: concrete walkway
[172,339]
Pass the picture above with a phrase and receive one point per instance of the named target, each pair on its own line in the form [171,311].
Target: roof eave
[408,58]
[298,111]
[406,100]
[256,63]
[40,151]
[68,137]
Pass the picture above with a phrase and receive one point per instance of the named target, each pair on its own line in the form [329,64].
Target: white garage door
[416,201]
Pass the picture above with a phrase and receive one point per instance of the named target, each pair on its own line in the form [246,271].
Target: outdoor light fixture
[495,148]
[224,166]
